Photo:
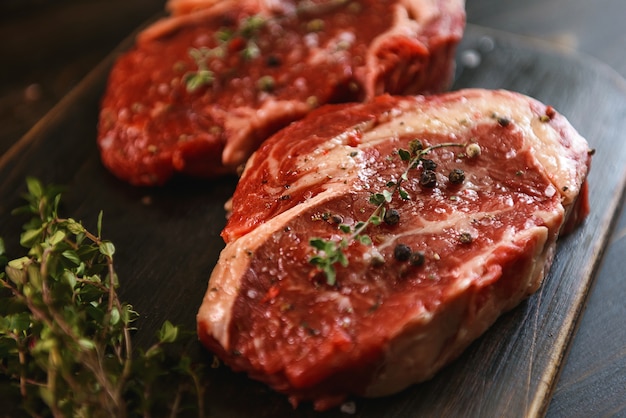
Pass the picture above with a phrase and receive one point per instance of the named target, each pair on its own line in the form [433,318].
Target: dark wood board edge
[592,381]
[597,228]
[512,323]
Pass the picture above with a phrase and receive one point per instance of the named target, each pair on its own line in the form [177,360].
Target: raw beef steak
[203,88]
[476,187]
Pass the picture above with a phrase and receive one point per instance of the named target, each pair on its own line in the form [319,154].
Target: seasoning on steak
[453,257]
[203,88]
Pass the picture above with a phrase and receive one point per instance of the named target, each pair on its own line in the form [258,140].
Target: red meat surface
[270,63]
[431,281]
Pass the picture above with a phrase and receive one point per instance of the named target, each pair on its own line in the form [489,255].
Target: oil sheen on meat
[266,63]
[387,323]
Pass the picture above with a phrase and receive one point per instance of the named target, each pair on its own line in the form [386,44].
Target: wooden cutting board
[167,239]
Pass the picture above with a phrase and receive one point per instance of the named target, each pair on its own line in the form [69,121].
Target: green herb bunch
[65,336]
[329,253]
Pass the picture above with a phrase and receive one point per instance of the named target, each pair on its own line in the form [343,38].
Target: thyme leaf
[246,34]
[202,76]
[244,39]
[329,252]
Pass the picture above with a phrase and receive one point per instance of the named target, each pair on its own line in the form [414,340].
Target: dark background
[47,46]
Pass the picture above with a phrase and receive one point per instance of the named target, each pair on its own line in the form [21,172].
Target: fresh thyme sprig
[202,76]
[329,253]
[65,336]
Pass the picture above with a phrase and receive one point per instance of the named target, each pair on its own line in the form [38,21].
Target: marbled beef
[450,256]
[263,64]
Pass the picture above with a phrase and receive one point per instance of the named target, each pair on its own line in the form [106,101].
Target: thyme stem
[330,253]
[65,336]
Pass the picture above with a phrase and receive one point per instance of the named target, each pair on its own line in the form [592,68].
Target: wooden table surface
[49,45]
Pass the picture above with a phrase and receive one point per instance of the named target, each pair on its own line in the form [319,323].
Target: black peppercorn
[417,258]
[428,164]
[456,176]
[504,122]
[391,217]
[402,252]
[428,179]
[272,61]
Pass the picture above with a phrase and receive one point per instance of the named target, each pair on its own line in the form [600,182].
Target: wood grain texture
[167,239]
[48,46]
[593,380]
[593,27]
